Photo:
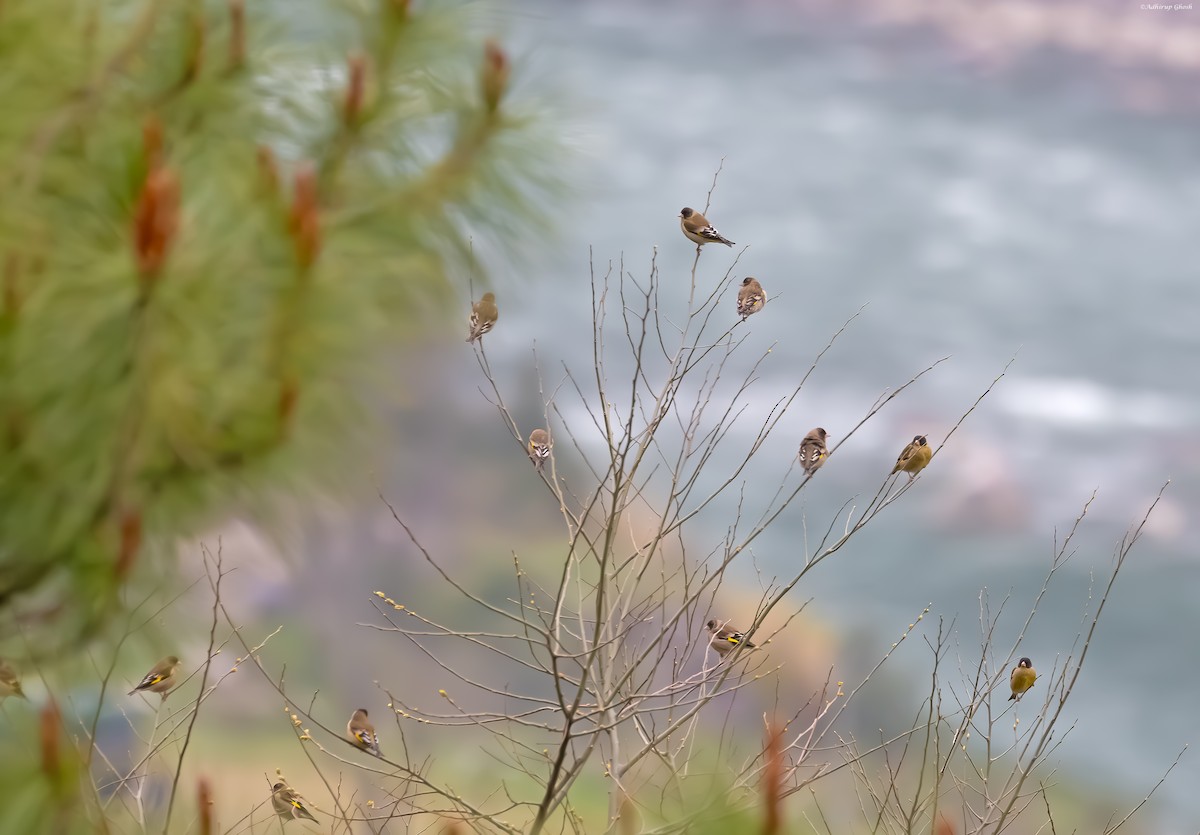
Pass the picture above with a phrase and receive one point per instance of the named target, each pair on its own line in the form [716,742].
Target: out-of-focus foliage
[213,217]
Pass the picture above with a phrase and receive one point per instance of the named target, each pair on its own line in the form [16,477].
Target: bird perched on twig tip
[160,679]
[751,298]
[539,447]
[483,316]
[813,451]
[1022,678]
[288,804]
[914,457]
[10,682]
[362,732]
[698,230]
[724,639]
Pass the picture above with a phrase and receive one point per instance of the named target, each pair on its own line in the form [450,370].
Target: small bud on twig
[12,285]
[304,222]
[627,816]
[48,721]
[268,170]
[772,781]
[155,222]
[495,75]
[289,393]
[205,801]
[131,542]
[354,89]
[195,58]
[237,35]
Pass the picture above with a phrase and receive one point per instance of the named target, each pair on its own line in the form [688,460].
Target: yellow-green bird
[698,230]
[483,316]
[914,457]
[724,639]
[539,447]
[160,679]
[362,732]
[813,451]
[10,682]
[288,804]
[1022,678]
[751,297]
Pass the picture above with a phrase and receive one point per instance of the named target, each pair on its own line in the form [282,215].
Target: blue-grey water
[979,216]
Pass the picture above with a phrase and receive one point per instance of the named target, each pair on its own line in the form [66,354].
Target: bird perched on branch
[10,682]
[539,447]
[914,457]
[160,679]
[1022,678]
[751,298]
[483,316]
[288,804]
[725,640]
[362,732]
[698,230]
[813,451]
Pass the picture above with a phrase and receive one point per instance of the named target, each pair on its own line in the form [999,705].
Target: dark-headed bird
[698,230]
[1022,678]
[724,639]
[914,457]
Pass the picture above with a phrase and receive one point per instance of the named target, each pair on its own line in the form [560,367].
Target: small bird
[362,732]
[10,683]
[483,316]
[751,298]
[539,447]
[725,640]
[1022,678]
[698,230]
[160,679]
[288,804]
[914,457]
[813,451]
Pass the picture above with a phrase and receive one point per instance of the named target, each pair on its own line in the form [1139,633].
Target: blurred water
[978,217]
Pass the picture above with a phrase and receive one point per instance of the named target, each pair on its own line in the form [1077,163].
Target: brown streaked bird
[914,457]
[483,316]
[362,732]
[724,639]
[539,447]
[288,804]
[10,682]
[698,230]
[160,679]
[751,298]
[1021,679]
[813,451]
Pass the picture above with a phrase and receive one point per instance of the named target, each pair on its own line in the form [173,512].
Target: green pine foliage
[214,218]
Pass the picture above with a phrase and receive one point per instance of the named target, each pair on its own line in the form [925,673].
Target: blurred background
[983,181]
[990,180]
